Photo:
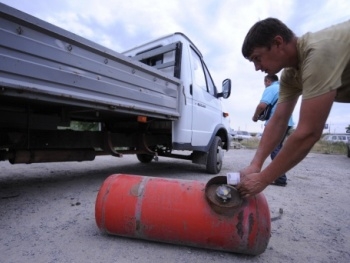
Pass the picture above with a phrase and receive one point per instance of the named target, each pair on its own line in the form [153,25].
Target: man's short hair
[272,78]
[262,34]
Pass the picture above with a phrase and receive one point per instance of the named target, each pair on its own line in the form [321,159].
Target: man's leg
[282,180]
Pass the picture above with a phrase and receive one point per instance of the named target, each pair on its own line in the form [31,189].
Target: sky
[217,27]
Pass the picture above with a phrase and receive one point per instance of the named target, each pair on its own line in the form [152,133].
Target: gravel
[47,212]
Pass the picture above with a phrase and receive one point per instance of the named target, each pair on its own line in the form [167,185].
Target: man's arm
[313,115]
[271,136]
[259,109]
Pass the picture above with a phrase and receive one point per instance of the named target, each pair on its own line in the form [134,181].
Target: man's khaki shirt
[324,65]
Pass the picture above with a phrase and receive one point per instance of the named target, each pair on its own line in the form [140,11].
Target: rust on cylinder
[182,212]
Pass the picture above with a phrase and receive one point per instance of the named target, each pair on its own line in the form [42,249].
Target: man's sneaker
[279,183]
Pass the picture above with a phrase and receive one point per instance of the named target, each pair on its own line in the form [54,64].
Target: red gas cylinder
[183,212]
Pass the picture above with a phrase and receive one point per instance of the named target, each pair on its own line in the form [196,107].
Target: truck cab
[202,126]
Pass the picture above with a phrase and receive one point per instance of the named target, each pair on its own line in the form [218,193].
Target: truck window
[201,74]
[210,83]
[165,58]
[153,61]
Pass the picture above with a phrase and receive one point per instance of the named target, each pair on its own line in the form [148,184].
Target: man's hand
[249,170]
[251,184]
[259,109]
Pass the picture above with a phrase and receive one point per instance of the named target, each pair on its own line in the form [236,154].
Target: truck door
[207,109]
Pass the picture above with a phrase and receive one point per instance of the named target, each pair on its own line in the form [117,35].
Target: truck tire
[349,150]
[145,158]
[215,156]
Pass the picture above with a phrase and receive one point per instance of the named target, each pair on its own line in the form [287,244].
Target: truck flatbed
[45,64]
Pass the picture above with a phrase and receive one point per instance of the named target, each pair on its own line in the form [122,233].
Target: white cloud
[216,27]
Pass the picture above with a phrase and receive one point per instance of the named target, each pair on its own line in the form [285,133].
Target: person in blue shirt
[270,96]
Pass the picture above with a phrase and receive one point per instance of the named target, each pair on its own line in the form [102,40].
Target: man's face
[266,60]
[267,82]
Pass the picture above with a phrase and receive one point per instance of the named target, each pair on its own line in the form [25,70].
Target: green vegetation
[250,144]
[319,147]
[347,129]
[329,148]
[82,126]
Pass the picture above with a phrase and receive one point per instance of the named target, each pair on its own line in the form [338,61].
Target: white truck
[157,99]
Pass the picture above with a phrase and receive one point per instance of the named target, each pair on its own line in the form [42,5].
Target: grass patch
[320,147]
[250,144]
[329,148]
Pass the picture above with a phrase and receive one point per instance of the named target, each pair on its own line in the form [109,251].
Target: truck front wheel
[215,156]
[144,158]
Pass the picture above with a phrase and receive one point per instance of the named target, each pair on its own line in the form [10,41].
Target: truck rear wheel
[349,150]
[144,158]
[215,156]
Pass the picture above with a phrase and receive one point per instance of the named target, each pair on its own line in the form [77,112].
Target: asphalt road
[47,212]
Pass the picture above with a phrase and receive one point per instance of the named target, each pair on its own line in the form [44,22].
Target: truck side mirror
[226,89]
